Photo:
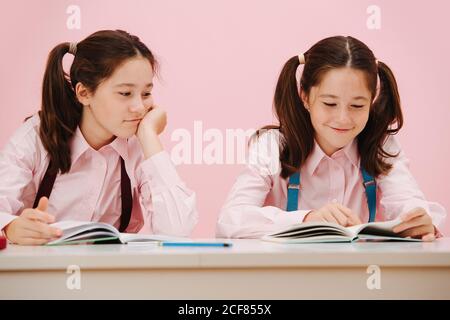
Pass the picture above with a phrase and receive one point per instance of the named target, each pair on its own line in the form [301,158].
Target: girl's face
[339,108]
[120,102]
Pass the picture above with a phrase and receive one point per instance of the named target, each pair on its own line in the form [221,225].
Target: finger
[33,241]
[43,204]
[416,232]
[38,215]
[416,212]
[416,222]
[44,230]
[429,237]
[339,216]
[30,233]
[330,218]
[354,219]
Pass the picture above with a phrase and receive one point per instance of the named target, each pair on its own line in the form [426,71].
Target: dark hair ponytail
[60,113]
[295,124]
[95,60]
[385,119]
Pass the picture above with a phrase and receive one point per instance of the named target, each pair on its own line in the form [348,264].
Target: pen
[195,244]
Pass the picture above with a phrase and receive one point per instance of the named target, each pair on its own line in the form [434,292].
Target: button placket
[98,184]
[337,182]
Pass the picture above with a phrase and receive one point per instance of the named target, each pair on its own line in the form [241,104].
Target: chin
[125,134]
[339,144]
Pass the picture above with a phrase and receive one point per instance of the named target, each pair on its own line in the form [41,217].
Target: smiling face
[119,102]
[339,107]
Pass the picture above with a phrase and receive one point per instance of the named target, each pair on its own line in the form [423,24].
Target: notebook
[315,232]
[78,232]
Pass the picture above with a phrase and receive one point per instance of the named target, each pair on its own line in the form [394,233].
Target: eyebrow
[148,85]
[335,97]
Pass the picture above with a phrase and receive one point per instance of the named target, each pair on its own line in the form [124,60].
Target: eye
[357,106]
[330,104]
[147,94]
[125,94]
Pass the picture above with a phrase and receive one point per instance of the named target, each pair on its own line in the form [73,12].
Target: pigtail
[295,125]
[60,112]
[385,119]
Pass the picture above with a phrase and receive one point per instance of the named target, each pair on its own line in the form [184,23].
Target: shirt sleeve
[165,197]
[400,192]
[17,160]
[244,214]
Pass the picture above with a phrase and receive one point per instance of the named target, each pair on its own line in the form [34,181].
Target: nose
[343,114]
[137,105]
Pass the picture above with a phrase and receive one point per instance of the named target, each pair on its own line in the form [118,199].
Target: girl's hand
[31,227]
[153,122]
[416,224]
[334,212]
[149,128]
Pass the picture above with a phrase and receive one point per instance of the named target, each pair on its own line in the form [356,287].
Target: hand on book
[333,212]
[31,227]
[416,224]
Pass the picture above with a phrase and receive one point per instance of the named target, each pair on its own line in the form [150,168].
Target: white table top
[243,254]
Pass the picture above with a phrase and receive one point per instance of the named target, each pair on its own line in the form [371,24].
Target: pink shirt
[257,202]
[162,203]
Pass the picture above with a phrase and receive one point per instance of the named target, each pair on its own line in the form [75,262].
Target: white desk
[251,269]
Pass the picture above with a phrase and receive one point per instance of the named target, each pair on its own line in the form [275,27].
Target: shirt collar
[350,151]
[120,145]
[80,145]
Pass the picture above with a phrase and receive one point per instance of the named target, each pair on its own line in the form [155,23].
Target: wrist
[149,141]
[145,131]
[6,229]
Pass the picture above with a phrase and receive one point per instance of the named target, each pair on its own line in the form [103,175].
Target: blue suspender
[369,185]
[293,189]
[371,194]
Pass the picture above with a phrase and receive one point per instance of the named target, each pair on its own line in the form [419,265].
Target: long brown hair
[297,138]
[95,60]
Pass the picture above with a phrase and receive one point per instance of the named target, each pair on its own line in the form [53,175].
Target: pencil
[195,244]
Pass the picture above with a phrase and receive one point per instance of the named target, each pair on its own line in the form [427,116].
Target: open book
[77,232]
[310,232]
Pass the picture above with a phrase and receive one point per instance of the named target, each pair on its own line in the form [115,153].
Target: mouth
[341,130]
[133,120]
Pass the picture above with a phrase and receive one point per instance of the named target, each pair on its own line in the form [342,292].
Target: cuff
[160,171]
[292,217]
[5,219]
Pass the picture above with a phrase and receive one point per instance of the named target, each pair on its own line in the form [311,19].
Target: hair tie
[73,48]
[301,58]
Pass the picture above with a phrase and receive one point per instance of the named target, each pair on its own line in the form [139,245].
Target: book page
[382,227]
[73,230]
[315,227]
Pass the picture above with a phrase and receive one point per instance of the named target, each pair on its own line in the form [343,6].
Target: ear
[304,98]
[83,94]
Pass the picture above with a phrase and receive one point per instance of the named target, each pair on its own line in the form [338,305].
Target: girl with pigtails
[92,153]
[333,156]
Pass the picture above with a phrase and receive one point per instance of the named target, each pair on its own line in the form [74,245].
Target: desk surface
[243,254]
[250,269]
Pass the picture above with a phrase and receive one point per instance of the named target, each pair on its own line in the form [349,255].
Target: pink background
[220,60]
